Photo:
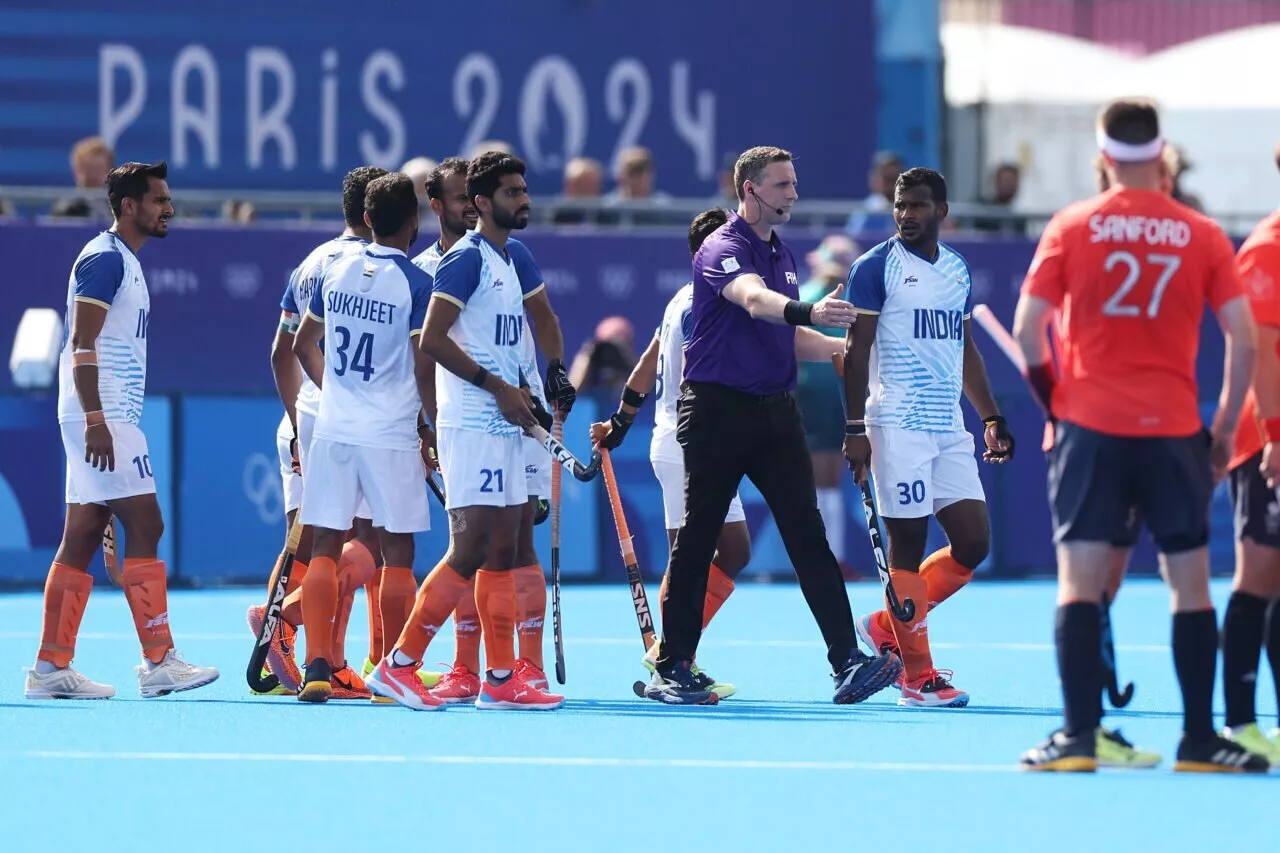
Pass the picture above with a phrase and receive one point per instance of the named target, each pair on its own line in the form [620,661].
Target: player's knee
[970,551]
[733,550]
[144,528]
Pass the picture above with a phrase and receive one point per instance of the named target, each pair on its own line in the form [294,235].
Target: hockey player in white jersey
[912,348]
[102,376]
[374,383]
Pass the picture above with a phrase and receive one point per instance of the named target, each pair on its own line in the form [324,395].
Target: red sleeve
[1259,271]
[1047,278]
[1225,282]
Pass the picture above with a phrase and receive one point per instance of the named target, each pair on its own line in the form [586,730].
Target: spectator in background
[727,195]
[819,394]
[491,145]
[876,215]
[636,177]
[1176,159]
[419,169]
[604,362]
[238,210]
[583,179]
[1005,181]
[91,160]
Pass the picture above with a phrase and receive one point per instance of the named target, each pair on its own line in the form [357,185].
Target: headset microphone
[776,210]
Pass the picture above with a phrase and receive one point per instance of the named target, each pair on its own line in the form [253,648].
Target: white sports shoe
[172,675]
[65,684]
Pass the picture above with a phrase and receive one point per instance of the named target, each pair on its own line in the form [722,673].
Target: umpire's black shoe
[1217,755]
[1064,754]
[679,686]
[863,676]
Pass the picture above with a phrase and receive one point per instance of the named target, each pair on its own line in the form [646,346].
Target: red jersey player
[1130,271]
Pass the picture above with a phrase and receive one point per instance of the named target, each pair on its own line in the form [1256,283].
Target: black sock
[1195,657]
[1242,627]
[1078,636]
[1273,646]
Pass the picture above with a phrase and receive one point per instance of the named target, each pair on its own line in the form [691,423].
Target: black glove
[619,423]
[293,452]
[1002,434]
[543,510]
[540,412]
[560,391]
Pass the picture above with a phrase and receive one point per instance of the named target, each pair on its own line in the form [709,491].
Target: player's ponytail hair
[485,173]
[132,180]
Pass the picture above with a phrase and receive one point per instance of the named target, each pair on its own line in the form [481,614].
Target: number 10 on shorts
[911,493]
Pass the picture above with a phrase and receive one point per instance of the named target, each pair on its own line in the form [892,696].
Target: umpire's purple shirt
[726,346]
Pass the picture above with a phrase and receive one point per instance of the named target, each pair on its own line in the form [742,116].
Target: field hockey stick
[561,454]
[275,604]
[902,611]
[1006,343]
[557,627]
[110,555]
[644,617]
[1118,698]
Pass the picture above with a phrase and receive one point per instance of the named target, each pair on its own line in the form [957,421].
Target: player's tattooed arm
[306,346]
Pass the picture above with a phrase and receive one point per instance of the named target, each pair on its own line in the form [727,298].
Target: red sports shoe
[402,684]
[932,690]
[878,641]
[280,653]
[516,694]
[460,686]
[345,684]
[531,674]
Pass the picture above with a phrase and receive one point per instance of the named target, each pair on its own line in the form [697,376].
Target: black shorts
[1098,481]
[1256,505]
[1132,530]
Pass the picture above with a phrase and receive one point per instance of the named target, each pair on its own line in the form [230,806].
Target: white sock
[44,667]
[831,505]
[500,674]
[398,658]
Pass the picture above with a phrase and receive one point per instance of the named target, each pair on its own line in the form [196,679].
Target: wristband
[84,358]
[479,379]
[852,428]
[95,418]
[632,397]
[798,313]
[1271,429]
[624,417]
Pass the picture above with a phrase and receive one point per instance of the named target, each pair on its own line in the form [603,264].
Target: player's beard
[455,226]
[511,221]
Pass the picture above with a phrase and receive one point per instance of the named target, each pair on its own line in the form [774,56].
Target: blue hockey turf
[776,768]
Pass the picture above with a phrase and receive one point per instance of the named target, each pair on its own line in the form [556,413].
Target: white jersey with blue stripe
[297,296]
[372,305]
[917,361]
[107,274]
[490,286]
[673,337]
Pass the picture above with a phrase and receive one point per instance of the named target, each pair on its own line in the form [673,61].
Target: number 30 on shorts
[911,493]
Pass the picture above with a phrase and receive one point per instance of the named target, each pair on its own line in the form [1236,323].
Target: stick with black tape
[903,611]
[560,453]
[259,683]
[1006,343]
[557,627]
[111,552]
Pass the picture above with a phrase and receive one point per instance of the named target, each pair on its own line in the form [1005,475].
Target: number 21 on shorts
[911,493]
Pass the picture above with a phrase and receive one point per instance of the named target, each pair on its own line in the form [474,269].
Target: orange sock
[719,588]
[496,601]
[66,592]
[320,608]
[355,567]
[943,576]
[395,600]
[371,593]
[146,589]
[291,612]
[466,630]
[913,637]
[296,576]
[531,611]
[437,598]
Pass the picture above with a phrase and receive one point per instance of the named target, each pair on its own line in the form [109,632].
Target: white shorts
[481,469]
[339,476]
[671,478]
[919,473]
[292,482]
[306,428]
[537,468]
[132,474]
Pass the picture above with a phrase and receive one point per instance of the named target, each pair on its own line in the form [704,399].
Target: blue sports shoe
[863,676]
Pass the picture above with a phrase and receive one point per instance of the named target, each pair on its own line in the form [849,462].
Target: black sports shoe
[679,687]
[316,686]
[1217,755]
[863,676]
[1071,754]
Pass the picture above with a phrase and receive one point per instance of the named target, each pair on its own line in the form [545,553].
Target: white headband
[1125,152]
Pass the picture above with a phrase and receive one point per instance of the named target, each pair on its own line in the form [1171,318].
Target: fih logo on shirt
[791,279]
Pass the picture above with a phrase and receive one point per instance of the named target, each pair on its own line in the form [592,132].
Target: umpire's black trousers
[726,434]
